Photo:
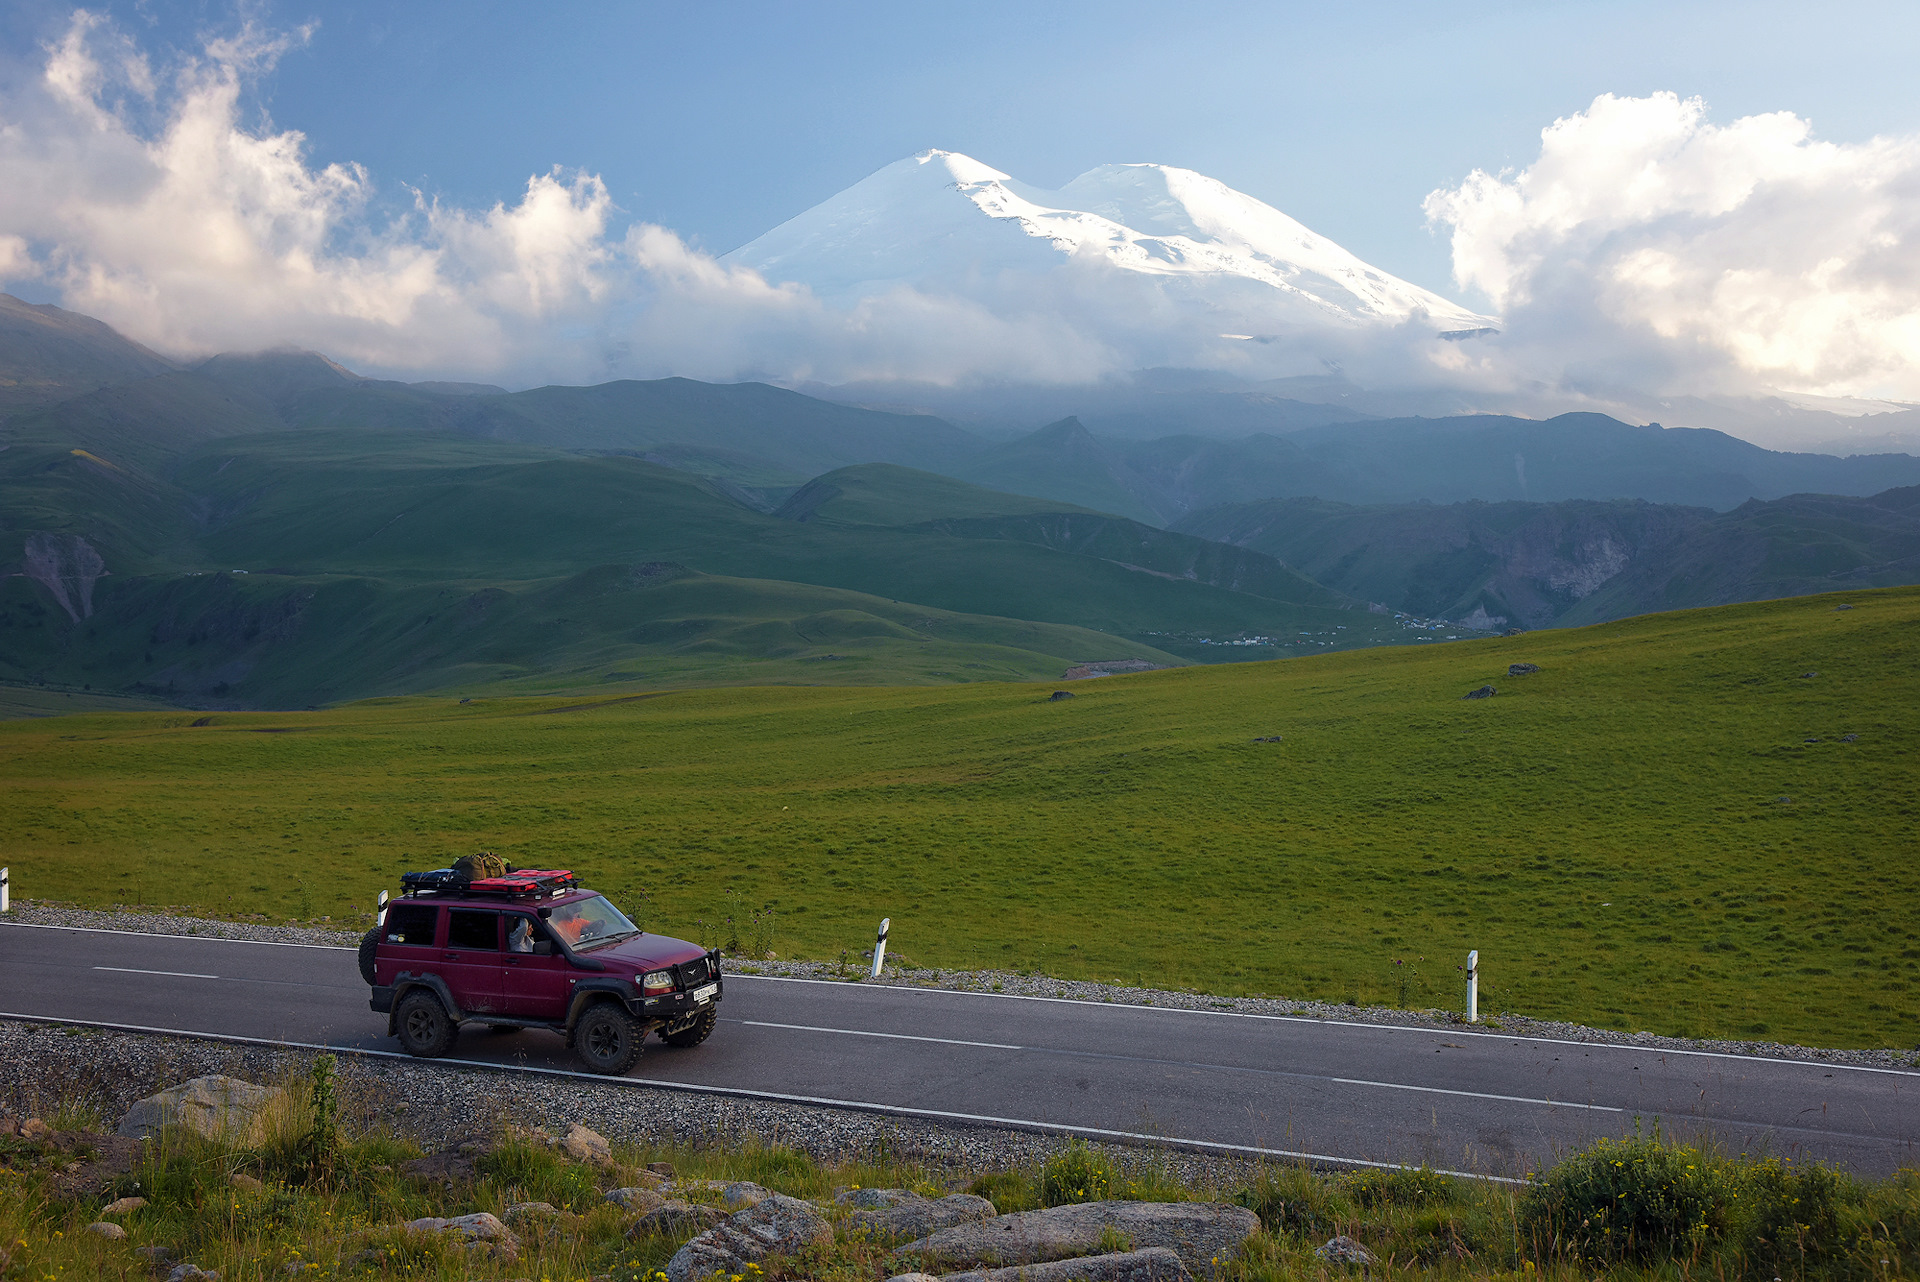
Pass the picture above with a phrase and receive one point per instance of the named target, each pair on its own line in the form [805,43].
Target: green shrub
[1799,1220]
[530,1172]
[1009,1191]
[1076,1174]
[1638,1199]
[1292,1199]
[1405,1187]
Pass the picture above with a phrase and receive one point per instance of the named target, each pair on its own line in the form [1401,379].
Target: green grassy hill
[1694,823]
[887,494]
[356,546]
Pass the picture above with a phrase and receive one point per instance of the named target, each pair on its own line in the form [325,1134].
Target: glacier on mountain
[1194,253]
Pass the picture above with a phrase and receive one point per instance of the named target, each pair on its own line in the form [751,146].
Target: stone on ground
[676,1218]
[637,1198]
[120,1206]
[245,1183]
[530,1212]
[904,1213]
[214,1106]
[1343,1250]
[193,1273]
[1155,1264]
[584,1145]
[111,1232]
[775,1225]
[1200,1232]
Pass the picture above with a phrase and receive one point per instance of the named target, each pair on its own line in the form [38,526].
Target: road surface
[1475,1102]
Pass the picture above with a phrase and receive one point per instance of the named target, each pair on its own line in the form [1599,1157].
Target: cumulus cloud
[1649,248]
[141,197]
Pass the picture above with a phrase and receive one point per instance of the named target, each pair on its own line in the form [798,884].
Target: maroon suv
[563,959]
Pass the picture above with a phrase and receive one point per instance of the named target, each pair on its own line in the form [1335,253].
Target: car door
[537,986]
[407,941]
[470,961]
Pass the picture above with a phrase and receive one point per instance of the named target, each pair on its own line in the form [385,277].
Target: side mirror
[546,913]
[543,948]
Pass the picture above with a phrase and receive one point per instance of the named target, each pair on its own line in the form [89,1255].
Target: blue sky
[721,119]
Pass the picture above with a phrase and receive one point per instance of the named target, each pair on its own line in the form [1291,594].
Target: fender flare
[404,982]
[589,991]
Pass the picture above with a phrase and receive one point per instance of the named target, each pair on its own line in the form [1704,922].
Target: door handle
[450,956]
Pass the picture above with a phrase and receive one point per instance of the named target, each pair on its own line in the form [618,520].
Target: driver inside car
[569,922]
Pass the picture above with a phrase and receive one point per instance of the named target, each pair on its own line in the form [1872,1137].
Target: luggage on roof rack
[520,884]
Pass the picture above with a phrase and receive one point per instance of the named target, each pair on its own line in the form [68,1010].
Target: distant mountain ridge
[1579,561]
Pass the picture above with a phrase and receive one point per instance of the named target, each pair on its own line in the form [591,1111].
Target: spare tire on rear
[368,942]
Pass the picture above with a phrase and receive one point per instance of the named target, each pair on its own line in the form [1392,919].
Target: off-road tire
[423,1025]
[607,1039]
[694,1033]
[368,942]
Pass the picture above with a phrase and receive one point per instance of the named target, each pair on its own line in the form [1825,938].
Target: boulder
[913,1277]
[157,1257]
[775,1225]
[1199,1232]
[35,1131]
[1058,695]
[663,1169]
[1155,1264]
[245,1183]
[1484,692]
[214,1106]
[111,1232]
[893,1213]
[1343,1250]
[637,1198]
[480,1229]
[583,1145]
[1521,669]
[122,1206]
[744,1193]
[675,1219]
[521,1213]
[193,1273]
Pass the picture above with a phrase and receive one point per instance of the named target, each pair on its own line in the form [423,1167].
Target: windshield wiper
[618,935]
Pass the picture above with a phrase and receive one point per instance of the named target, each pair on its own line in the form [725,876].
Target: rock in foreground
[215,1106]
[775,1225]
[894,1213]
[1199,1232]
[1155,1264]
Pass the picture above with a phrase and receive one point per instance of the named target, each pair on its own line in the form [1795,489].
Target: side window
[411,924]
[523,933]
[476,930]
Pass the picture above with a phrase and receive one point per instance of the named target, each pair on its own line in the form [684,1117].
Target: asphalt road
[1473,1102]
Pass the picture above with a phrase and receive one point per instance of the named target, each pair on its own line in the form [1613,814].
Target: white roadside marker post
[6,892]
[1473,987]
[880,947]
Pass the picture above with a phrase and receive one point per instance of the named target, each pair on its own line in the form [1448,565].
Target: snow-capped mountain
[944,222]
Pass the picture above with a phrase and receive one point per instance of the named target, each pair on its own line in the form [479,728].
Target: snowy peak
[940,220]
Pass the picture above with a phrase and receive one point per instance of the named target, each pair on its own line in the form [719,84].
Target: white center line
[177,974]
[898,1037]
[1316,1077]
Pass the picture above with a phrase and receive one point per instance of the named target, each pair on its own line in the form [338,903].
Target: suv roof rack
[527,883]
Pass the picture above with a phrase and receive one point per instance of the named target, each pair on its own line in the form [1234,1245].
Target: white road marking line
[1515,1039]
[177,974]
[741,1092]
[898,1037]
[1512,1038]
[1309,1077]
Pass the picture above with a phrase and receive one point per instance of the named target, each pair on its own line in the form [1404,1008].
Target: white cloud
[1647,247]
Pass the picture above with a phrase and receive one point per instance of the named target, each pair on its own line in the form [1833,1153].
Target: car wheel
[423,1024]
[368,942]
[693,1034]
[607,1039]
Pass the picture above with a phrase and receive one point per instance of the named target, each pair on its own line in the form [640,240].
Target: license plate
[704,994]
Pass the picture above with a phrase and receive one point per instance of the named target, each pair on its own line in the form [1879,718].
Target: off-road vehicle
[533,949]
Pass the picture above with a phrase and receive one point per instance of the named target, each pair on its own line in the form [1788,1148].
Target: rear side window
[469,929]
[410,924]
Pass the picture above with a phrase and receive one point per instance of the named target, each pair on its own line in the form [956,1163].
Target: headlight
[657,981]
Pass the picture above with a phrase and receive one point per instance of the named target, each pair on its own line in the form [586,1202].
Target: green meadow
[1664,828]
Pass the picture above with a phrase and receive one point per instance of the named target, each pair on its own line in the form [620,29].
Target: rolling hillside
[1695,823]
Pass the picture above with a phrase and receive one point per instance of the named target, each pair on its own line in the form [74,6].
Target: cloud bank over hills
[1646,251]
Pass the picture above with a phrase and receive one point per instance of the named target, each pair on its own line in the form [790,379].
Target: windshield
[586,922]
